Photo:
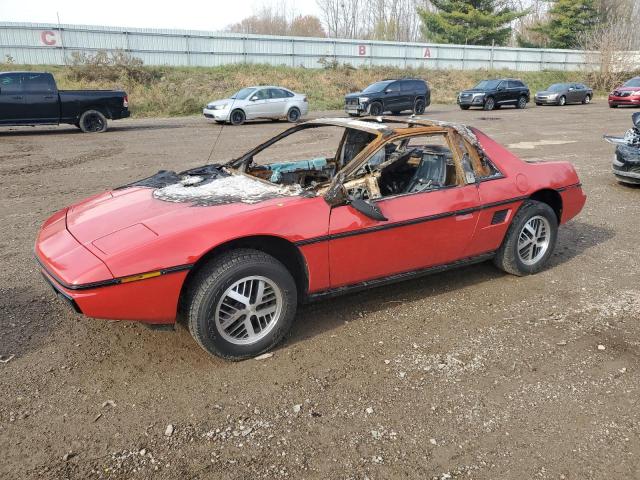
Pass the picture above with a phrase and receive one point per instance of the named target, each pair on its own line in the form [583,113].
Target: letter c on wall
[47,37]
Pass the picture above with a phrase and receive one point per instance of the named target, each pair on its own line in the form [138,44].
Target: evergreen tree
[568,21]
[470,22]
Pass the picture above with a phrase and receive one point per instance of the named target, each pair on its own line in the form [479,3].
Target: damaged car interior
[377,158]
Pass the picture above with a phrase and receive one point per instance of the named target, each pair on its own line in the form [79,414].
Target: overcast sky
[182,14]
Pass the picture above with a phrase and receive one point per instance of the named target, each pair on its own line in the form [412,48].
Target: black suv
[389,96]
[490,94]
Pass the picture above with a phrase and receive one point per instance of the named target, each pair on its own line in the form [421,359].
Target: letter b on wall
[362,50]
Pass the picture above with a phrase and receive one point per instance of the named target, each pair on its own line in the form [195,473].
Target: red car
[233,248]
[627,94]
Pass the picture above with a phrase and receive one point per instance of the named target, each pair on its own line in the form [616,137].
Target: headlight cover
[363,99]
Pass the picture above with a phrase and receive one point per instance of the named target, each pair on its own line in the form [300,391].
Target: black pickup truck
[32,98]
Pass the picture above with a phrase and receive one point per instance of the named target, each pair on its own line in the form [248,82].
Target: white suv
[258,102]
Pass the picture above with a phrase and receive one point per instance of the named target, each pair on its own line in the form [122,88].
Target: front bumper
[546,100]
[472,101]
[621,101]
[219,115]
[626,164]
[356,109]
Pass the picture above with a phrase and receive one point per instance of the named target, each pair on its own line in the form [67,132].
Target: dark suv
[490,94]
[389,96]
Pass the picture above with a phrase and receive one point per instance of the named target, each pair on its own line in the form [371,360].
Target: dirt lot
[468,374]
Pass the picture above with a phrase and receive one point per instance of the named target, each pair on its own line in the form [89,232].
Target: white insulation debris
[235,188]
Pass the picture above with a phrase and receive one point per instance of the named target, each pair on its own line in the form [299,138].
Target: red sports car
[626,94]
[233,248]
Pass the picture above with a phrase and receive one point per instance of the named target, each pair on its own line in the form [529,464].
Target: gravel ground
[468,374]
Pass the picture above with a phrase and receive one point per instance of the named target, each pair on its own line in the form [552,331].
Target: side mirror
[571,89]
[253,99]
[368,209]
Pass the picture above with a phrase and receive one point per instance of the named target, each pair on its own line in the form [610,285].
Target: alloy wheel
[248,310]
[533,240]
[93,123]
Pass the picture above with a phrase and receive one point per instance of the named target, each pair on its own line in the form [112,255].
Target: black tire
[465,107]
[587,99]
[522,102]
[497,107]
[507,257]
[237,117]
[205,291]
[293,115]
[419,107]
[375,109]
[538,104]
[562,101]
[92,121]
[489,104]
[354,114]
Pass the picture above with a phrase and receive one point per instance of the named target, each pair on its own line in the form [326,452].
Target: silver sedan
[258,102]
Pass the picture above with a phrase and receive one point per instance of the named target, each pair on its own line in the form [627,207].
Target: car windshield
[243,94]
[557,87]
[487,84]
[376,87]
[634,82]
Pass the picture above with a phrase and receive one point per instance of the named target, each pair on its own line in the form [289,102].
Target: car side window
[277,93]
[409,165]
[406,86]
[10,83]
[37,83]
[393,87]
[261,94]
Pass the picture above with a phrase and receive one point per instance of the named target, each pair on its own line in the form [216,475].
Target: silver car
[258,102]
[564,93]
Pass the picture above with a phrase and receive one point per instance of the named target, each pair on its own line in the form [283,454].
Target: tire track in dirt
[67,163]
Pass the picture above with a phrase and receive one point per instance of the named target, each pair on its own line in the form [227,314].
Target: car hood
[224,101]
[354,95]
[626,89]
[141,212]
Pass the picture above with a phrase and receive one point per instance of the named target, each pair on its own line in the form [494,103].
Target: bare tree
[279,20]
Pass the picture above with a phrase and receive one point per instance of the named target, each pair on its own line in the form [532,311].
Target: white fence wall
[39,43]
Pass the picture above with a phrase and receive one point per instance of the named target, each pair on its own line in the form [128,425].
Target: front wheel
[237,117]
[489,104]
[293,115]
[530,240]
[562,101]
[92,121]
[241,304]
[464,107]
[375,109]
[586,100]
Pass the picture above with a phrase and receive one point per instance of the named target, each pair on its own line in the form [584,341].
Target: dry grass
[173,91]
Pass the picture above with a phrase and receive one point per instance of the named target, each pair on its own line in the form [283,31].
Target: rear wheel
[522,102]
[419,107]
[489,104]
[237,117]
[293,115]
[241,304]
[92,121]
[562,101]
[375,109]
[530,240]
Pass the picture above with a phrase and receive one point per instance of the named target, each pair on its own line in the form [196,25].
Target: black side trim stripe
[404,223]
[398,277]
[112,281]
[575,185]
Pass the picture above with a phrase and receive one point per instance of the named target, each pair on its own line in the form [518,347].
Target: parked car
[33,98]
[236,247]
[626,94]
[250,103]
[563,93]
[495,93]
[626,163]
[393,96]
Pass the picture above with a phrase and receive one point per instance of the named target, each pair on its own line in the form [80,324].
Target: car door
[277,103]
[41,97]
[502,93]
[12,104]
[257,107]
[424,229]
[577,94]
[408,94]
[393,97]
